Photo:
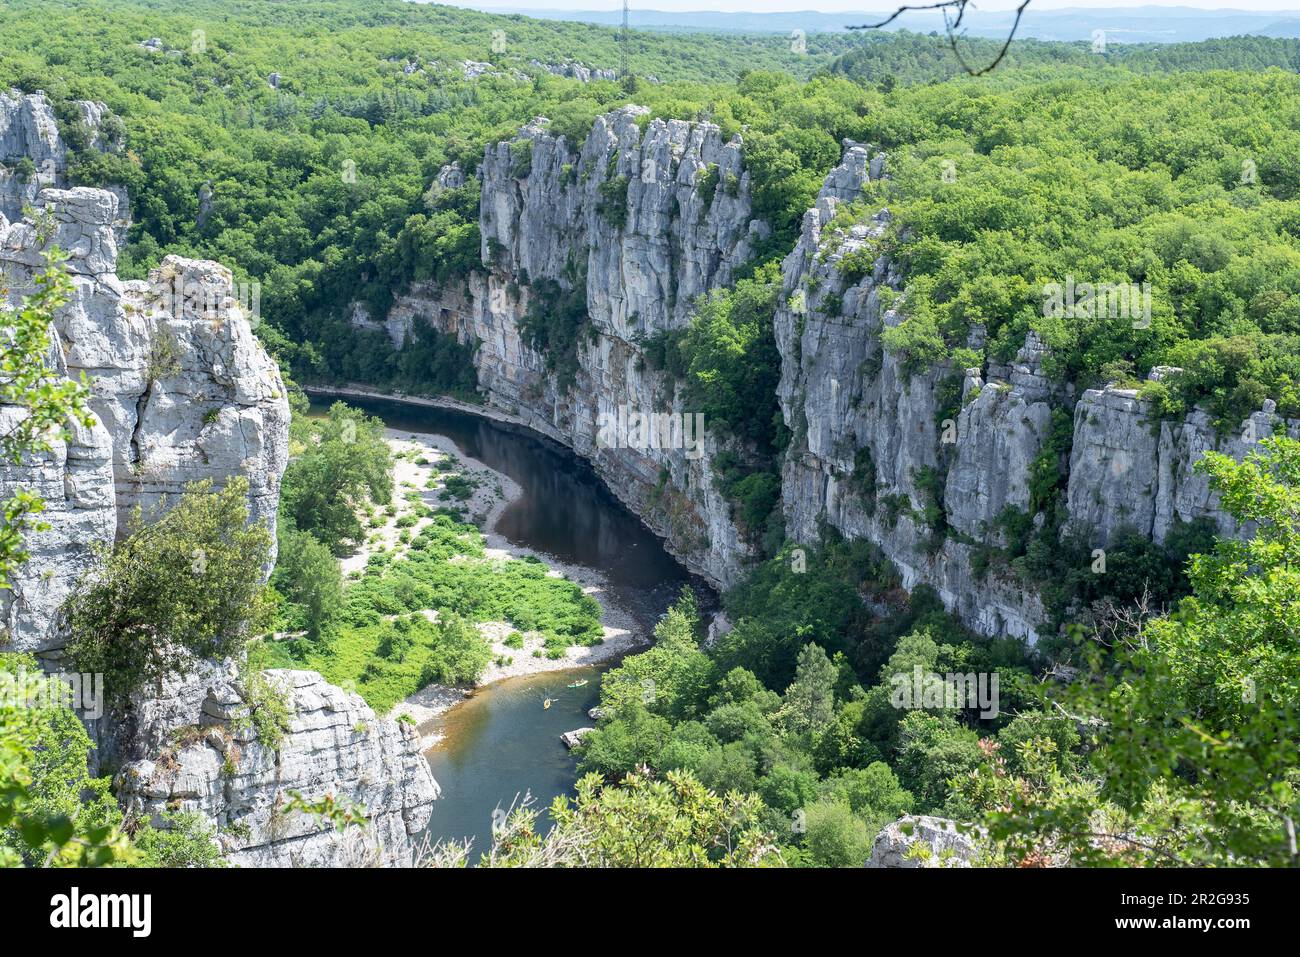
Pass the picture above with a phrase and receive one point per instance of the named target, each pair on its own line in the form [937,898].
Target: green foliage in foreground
[187,587]
[1190,755]
[307,577]
[812,745]
[52,813]
[388,648]
[643,822]
[185,840]
[1175,746]
[47,404]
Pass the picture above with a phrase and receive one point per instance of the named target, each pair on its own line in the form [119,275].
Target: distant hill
[1145,24]
[907,58]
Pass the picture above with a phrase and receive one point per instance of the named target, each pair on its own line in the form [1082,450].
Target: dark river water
[502,743]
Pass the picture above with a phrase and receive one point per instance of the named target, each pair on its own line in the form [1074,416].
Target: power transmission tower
[622,46]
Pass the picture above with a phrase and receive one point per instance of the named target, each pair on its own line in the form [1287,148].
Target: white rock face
[75,478]
[1130,469]
[572,739]
[213,405]
[944,845]
[75,481]
[1001,430]
[672,248]
[553,222]
[334,745]
[868,438]
[29,131]
[576,71]
[179,384]
[874,444]
[181,391]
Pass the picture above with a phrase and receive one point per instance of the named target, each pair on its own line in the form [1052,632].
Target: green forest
[300,144]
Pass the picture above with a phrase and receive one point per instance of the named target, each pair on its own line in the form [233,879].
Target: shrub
[188,586]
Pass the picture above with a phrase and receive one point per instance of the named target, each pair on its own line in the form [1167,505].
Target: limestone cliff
[627,224]
[1130,468]
[648,216]
[34,155]
[181,390]
[923,462]
[31,151]
[867,454]
[212,763]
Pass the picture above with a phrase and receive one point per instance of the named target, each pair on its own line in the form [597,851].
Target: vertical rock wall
[34,156]
[182,391]
[877,446]
[212,763]
[867,454]
[180,387]
[629,224]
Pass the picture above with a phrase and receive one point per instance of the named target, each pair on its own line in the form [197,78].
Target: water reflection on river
[503,742]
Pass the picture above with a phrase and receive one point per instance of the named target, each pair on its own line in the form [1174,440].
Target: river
[502,743]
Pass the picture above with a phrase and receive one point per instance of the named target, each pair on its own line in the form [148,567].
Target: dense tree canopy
[302,144]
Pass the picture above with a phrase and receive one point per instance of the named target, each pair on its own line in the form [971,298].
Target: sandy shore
[421,457]
[533,426]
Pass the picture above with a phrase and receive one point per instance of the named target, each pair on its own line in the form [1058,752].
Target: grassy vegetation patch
[389,648]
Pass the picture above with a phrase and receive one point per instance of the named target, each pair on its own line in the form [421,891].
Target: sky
[836,6]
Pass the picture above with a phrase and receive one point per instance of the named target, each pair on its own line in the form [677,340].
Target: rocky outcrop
[333,745]
[638,223]
[34,155]
[573,70]
[31,151]
[571,739]
[874,442]
[213,402]
[628,213]
[1131,469]
[423,302]
[180,388]
[921,841]
[925,462]
[74,479]
[1003,425]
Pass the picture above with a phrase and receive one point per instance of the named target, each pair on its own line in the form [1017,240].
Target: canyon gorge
[638,222]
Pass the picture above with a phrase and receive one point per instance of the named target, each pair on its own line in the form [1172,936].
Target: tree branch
[951,25]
